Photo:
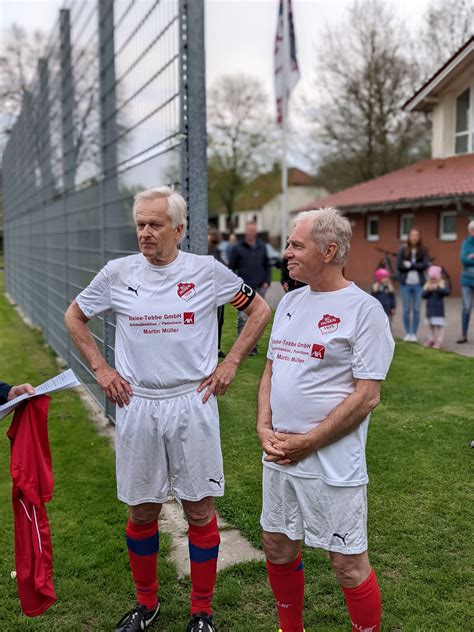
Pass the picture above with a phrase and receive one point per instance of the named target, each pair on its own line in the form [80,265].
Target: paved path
[453,320]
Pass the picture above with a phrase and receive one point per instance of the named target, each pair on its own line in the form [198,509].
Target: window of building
[463,125]
[406,224]
[447,226]
[372,228]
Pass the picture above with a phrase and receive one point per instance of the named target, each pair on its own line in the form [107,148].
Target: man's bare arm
[258,314]
[111,382]
[265,431]
[341,421]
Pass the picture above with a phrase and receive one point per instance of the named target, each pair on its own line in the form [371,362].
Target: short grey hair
[328,227]
[470,226]
[176,207]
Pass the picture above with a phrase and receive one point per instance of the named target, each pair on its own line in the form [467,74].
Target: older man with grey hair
[165,382]
[329,351]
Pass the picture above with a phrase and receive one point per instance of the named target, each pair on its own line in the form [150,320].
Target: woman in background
[412,261]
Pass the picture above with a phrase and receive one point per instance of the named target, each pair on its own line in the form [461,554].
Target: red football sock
[287,582]
[364,603]
[203,551]
[143,541]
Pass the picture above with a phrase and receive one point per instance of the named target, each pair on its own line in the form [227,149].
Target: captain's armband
[243,297]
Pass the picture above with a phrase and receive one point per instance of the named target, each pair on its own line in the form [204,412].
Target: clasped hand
[285,448]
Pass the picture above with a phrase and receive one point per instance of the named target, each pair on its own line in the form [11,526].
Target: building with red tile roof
[435,195]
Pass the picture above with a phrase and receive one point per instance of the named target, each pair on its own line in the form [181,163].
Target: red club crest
[186,291]
[328,324]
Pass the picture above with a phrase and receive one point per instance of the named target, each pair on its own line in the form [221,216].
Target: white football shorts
[324,516]
[168,443]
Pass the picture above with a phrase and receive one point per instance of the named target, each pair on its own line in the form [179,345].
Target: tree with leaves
[240,137]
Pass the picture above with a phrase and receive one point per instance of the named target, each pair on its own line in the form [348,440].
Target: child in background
[434,291]
[383,291]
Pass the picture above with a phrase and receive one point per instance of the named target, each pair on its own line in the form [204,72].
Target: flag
[293,73]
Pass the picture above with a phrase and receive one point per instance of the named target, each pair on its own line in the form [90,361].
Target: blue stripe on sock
[202,555]
[300,566]
[148,546]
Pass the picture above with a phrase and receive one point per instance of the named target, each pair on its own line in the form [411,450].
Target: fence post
[193,122]
[109,188]
[68,157]
[67,100]
[47,181]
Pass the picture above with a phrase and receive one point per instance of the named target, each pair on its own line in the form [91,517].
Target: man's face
[251,232]
[157,238]
[305,261]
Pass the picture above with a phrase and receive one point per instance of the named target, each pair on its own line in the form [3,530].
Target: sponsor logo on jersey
[318,351]
[328,324]
[188,318]
[132,289]
[186,291]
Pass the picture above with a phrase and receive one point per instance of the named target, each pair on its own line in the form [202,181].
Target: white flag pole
[284,166]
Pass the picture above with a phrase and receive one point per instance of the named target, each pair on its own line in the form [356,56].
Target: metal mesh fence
[117,106]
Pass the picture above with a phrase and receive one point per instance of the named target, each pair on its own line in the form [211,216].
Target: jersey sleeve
[96,297]
[227,283]
[373,345]
[276,320]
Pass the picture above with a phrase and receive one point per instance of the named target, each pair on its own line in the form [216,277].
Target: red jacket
[32,476]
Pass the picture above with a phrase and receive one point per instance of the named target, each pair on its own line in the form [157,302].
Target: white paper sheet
[57,383]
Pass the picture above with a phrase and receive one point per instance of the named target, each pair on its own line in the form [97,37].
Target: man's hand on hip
[114,386]
[219,381]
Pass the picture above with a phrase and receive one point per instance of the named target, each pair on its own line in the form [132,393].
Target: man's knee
[199,513]
[279,549]
[350,570]
[144,513]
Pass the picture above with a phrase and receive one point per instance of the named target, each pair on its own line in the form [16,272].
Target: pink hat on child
[381,273]
[434,272]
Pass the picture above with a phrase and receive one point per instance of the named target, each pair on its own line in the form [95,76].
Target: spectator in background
[434,291]
[382,290]
[412,261]
[231,242]
[249,259]
[467,280]
[213,243]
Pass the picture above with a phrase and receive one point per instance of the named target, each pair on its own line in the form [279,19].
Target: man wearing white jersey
[165,383]
[330,350]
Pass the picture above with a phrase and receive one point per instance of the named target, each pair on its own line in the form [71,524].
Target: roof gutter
[450,200]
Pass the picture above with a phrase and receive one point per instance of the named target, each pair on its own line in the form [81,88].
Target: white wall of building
[444,115]
[268,217]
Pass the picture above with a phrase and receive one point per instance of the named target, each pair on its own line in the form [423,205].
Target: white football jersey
[320,342]
[166,333]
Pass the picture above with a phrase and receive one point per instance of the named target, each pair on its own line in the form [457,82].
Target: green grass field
[420,519]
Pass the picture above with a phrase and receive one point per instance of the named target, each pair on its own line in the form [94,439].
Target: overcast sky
[239,33]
